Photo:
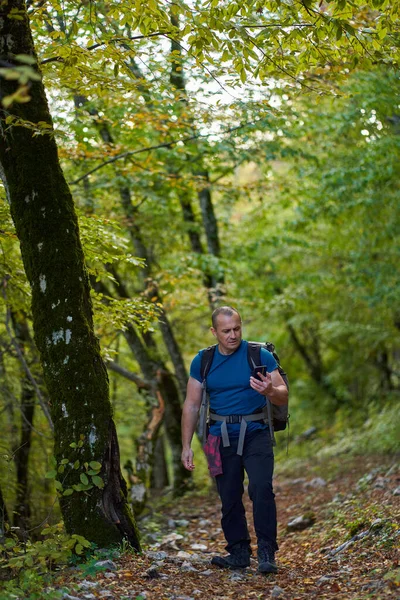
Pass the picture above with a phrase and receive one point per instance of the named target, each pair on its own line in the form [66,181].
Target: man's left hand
[262,383]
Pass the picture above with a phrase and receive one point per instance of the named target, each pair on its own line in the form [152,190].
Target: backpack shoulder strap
[206,360]
[254,354]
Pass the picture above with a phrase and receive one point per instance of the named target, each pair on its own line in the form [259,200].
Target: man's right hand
[187,459]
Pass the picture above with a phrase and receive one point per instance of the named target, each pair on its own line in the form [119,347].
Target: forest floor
[349,550]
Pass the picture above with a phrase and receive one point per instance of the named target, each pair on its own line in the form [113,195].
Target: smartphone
[261,369]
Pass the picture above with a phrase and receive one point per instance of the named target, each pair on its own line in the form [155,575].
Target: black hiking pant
[258,462]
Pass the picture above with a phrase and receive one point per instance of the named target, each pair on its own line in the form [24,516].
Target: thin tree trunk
[4,520]
[159,479]
[214,282]
[22,511]
[75,375]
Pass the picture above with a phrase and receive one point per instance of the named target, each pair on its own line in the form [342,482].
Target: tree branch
[141,383]
[157,147]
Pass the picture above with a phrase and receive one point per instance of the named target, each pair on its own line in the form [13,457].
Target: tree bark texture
[22,511]
[159,476]
[76,378]
[3,517]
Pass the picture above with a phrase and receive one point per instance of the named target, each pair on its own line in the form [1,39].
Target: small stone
[206,573]
[316,483]
[152,572]
[297,481]
[181,523]
[89,596]
[300,523]
[184,555]
[160,555]
[380,483]
[68,597]
[87,585]
[377,524]
[187,566]
[106,594]
[197,592]
[110,575]
[171,539]
[204,522]
[277,591]
[396,492]
[108,565]
[201,547]
[236,577]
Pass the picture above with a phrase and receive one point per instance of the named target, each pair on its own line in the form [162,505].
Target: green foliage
[55,549]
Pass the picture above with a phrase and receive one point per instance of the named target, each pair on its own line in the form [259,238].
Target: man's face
[228,332]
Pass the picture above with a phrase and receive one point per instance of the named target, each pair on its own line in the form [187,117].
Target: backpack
[278,416]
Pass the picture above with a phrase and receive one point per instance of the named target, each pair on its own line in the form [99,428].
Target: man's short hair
[229,311]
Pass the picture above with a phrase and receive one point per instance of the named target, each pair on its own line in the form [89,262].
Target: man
[233,391]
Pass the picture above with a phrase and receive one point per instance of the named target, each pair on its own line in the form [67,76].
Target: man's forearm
[279,395]
[189,421]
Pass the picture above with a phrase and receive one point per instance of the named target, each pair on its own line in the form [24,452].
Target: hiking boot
[266,559]
[239,558]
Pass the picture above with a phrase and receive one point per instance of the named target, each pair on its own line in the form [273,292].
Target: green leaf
[68,492]
[95,465]
[50,474]
[84,479]
[77,464]
[73,445]
[79,548]
[58,485]
[98,481]
[64,461]
[27,59]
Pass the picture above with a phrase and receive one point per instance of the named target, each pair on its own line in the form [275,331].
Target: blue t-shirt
[228,384]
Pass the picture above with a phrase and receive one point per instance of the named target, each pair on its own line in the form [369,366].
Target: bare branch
[141,383]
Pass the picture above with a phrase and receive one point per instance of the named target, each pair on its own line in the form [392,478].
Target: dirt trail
[356,502]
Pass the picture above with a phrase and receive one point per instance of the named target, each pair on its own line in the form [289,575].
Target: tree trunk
[159,478]
[214,282]
[75,375]
[22,506]
[4,521]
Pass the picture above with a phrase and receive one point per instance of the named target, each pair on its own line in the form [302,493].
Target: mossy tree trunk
[75,375]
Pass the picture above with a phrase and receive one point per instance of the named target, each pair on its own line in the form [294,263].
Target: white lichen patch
[69,319]
[40,246]
[29,198]
[42,283]
[6,43]
[92,436]
[64,410]
[57,336]
[68,334]
[66,359]
[55,305]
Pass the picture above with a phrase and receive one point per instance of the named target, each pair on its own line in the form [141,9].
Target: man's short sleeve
[268,359]
[195,367]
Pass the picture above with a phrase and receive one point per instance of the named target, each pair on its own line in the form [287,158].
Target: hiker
[235,444]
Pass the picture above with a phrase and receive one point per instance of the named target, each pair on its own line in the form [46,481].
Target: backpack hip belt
[243,420]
